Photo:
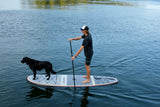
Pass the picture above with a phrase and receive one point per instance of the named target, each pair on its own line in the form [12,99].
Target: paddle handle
[72,62]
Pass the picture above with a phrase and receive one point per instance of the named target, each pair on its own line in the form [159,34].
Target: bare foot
[86,81]
[84,76]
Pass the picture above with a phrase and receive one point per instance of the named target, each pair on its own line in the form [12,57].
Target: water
[126,46]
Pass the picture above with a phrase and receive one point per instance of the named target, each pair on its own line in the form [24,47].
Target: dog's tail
[53,72]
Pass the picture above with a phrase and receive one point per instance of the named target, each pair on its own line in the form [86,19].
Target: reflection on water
[51,4]
[37,93]
[65,4]
[84,101]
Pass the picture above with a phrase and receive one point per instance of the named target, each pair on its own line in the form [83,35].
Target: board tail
[53,72]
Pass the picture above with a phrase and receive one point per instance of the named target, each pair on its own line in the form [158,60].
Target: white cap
[85,28]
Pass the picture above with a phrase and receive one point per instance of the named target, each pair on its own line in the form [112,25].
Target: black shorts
[88,61]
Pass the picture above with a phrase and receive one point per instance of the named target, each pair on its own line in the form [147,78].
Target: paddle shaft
[72,62]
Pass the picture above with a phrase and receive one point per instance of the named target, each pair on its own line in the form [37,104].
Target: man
[88,50]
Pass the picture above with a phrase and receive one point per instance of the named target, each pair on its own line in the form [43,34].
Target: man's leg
[88,74]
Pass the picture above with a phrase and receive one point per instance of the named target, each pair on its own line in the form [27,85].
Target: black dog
[38,65]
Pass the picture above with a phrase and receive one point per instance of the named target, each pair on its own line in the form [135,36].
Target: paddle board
[67,80]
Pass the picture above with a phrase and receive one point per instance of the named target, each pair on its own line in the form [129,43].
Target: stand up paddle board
[68,81]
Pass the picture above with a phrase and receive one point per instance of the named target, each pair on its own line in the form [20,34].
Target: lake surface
[126,39]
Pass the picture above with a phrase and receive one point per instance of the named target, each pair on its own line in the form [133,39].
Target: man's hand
[69,39]
[73,58]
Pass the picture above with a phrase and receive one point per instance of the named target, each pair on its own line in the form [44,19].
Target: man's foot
[86,81]
[85,76]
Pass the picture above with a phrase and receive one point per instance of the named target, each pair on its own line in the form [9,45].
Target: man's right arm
[78,38]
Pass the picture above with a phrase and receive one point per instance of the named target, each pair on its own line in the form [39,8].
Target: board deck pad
[67,80]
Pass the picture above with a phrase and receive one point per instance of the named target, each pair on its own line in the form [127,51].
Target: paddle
[72,63]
